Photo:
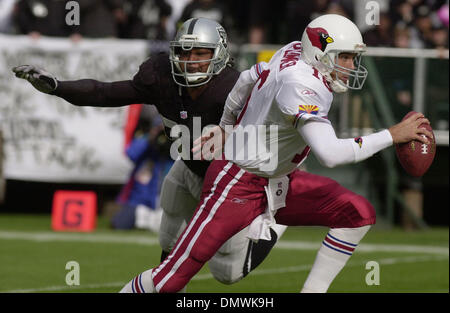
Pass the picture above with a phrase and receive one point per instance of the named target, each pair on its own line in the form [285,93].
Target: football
[415,156]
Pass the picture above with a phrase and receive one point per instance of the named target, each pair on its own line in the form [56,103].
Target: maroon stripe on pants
[201,215]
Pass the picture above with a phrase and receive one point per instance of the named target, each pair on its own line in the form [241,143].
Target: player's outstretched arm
[83,92]
[332,151]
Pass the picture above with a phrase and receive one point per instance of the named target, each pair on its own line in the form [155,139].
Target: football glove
[39,78]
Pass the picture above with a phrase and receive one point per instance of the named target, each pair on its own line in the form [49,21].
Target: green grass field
[33,258]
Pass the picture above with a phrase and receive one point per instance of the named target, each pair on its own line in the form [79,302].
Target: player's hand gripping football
[209,146]
[39,78]
[408,129]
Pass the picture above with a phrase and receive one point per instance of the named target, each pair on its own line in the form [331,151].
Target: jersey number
[263,76]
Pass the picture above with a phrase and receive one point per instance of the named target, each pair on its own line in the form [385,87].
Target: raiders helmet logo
[319,37]
[223,36]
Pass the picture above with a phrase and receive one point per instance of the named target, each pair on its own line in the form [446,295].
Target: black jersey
[153,84]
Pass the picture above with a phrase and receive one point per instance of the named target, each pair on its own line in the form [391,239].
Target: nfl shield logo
[183,114]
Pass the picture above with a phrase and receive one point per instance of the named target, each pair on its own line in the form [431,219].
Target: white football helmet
[324,39]
[199,33]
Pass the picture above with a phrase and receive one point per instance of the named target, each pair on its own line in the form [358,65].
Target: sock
[142,283]
[334,253]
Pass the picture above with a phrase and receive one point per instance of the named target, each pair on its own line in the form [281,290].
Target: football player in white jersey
[187,85]
[277,122]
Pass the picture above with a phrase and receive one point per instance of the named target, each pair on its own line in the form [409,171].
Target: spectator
[265,17]
[149,151]
[422,27]
[439,38]
[99,18]
[299,13]
[298,16]
[320,8]
[145,19]
[402,36]
[381,35]
[177,7]
[402,11]
[240,11]
[341,7]
[45,17]
[212,9]
[6,14]
[281,21]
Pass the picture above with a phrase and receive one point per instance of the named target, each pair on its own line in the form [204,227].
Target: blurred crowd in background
[402,23]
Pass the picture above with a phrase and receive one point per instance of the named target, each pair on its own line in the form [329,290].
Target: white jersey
[289,92]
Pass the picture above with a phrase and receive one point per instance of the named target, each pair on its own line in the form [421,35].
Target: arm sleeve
[143,88]
[89,92]
[332,151]
[239,94]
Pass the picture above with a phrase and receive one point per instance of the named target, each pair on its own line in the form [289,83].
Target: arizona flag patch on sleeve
[305,109]
[308,108]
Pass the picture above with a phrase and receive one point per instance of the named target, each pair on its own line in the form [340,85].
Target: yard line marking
[94,237]
[284,270]
[152,241]
[366,247]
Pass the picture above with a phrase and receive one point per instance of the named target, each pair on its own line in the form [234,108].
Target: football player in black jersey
[192,81]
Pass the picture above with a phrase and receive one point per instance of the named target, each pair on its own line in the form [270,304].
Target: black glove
[39,78]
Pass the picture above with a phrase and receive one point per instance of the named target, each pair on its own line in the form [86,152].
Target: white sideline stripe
[283,270]
[151,241]
[104,238]
[366,247]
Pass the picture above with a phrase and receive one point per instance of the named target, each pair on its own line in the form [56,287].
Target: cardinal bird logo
[319,37]
[359,141]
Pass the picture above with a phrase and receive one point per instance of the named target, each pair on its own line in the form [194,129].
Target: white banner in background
[49,139]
